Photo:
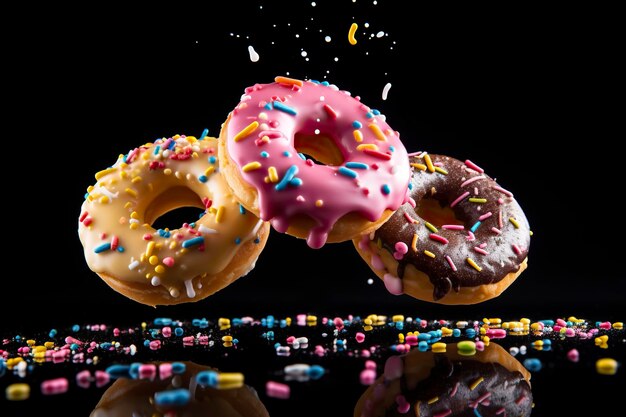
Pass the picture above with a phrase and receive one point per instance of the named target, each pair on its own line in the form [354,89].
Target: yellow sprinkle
[431,227]
[136,179]
[618,325]
[131,192]
[288,321]
[167,171]
[123,174]
[421,167]
[351,32]
[149,249]
[377,132]
[319,203]
[194,155]
[429,253]
[104,172]
[251,166]
[445,332]
[512,220]
[441,170]
[474,264]
[474,384]
[477,200]
[90,188]
[364,146]
[429,163]
[17,392]
[414,242]
[439,347]
[104,199]
[272,174]
[230,380]
[606,366]
[173,244]
[246,131]
[358,136]
[134,215]
[524,321]
[433,400]
[159,269]
[153,260]
[220,214]
[400,338]
[224,323]
[287,80]
[397,317]
[133,226]
[227,338]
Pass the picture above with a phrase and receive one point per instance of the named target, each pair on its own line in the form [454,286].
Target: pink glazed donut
[313,160]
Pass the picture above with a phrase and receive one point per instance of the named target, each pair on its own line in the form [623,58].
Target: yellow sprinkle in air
[273,174]
[477,200]
[251,166]
[149,248]
[319,203]
[433,400]
[441,170]
[530,232]
[153,260]
[159,269]
[167,171]
[358,136]
[246,131]
[104,199]
[429,163]
[421,167]
[364,146]
[351,33]
[220,214]
[474,264]
[400,338]
[131,192]
[377,132]
[429,253]
[287,80]
[136,179]
[431,227]
[514,222]
[414,242]
[606,366]
[104,172]
[474,384]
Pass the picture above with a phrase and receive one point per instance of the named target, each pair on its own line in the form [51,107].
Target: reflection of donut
[262,155]
[461,239]
[426,384]
[168,266]
[136,397]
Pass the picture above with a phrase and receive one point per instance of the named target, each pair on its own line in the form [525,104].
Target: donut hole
[321,149]
[174,206]
[436,212]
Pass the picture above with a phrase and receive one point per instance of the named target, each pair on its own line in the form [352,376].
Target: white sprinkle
[133,350]
[254,57]
[133,265]
[336,59]
[174,293]
[297,36]
[189,286]
[313,4]
[370,281]
[380,34]
[207,230]
[386,90]
[327,38]
[317,131]
[303,53]
[155,281]
[322,98]
[366,25]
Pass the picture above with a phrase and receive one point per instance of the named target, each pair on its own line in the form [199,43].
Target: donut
[426,384]
[313,160]
[162,267]
[460,239]
[148,394]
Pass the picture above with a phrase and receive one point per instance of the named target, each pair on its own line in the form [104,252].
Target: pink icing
[377,182]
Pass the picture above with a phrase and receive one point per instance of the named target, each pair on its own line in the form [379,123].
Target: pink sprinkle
[169,261]
[470,236]
[147,371]
[569,332]
[412,340]
[485,216]
[87,221]
[70,340]
[500,223]
[277,390]
[155,345]
[83,379]
[482,245]
[370,365]
[453,392]
[438,238]
[319,350]
[403,405]
[475,190]
[418,153]
[54,386]
[367,376]
[300,199]
[147,236]
[496,230]
[365,353]
[166,331]
[496,333]
[444,413]
[103,236]
[517,250]
[480,346]
[401,247]
[453,227]
[412,202]
[471,180]
[459,199]
[360,337]
[165,370]
[409,218]
[115,241]
[473,166]
[573,355]
[605,325]
[481,251]
[393,284]
[502,190]
[330,111]
[338,322]
[500,200]
[520,399]
[561,322]
[83,216]
[500,411]
[188,340]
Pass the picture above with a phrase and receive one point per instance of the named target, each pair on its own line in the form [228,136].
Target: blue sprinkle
[268,106]
[456,332]
[75,328]
[287,154]
[120,249]
[357,165]
[533,364]
[369,115]
[175,397]
[376,112]
[325,83]
[422,346]
[192,225]
[212,159]
[235,341]
[201,323]
[204,133]
[52,333]
[547,342]
[265,154]
[399,325]
[357,125]
[547,322]
[193,242]
[301,155]
[283,323]
[315,372]
[476,226]
[237,240]
[470,333]
[289,175]
[102,248]
[134,370]
[476,412]
[157,149]
[162,321]
[178,368]
[242,209]
[154,333]
[424,337]
[172,145]
[392,148]
[74,346]
[410,186]
[385,189]
[207,378]
[314,81]
[179,331]
[347,172]
[203,178]
[118,370]
[296,182]
[257,240]
[86,195]
[284,108]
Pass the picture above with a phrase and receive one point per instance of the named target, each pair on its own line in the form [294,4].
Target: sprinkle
[480,250]
[284,108]
[473,166]
[459,199]
[451,263]
[438,238]
[289,175]
[212,159]
[364,146]
[471,180]
[192,242]
[496,230]
[409,218]
[204,133]
[386,90]
[385,189]
[517,250]
[104,172]
[220,214]
[207,230]
[414,242]
[246,131]
[377,132]
[514,222]
[330,111]
[474,264]
[441,170]
[356,165]
[83,216]
[203,178]
[102,248]
[606,366]
[157,149]
[502,190]
[149,249]
[429,253]
[485,216]
[475,226]
[357,125]
[477,200]
[288,81]
[444,413]
[347,172]
[251,166]
[115,241]
[429,163]
[431,227]
[273,175]
[421,167]
[453,227]
[265,154]
[351,32]
[433,400]
[474,384]
[358,136]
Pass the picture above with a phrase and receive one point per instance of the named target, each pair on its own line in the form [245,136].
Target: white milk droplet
[366,25]
[327,38]
[254,57]
[303,53]
[317,131]
[380,34]
[336,59]
[313,4]
[386,90]
[370,281]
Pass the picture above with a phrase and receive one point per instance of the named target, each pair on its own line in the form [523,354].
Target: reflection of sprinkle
[351,33]
[254,57]
[386,90]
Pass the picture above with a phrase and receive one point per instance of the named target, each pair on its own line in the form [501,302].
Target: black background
[527,95]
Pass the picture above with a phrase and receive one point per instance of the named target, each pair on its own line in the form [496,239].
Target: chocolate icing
[506,251]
